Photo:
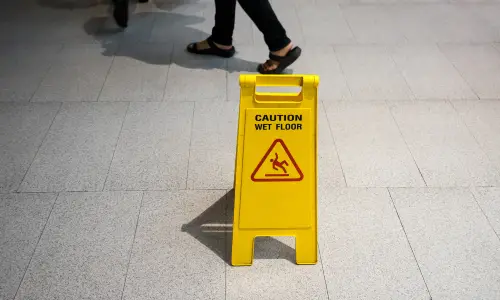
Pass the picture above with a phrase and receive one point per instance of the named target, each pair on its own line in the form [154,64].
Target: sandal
[213,50]
[282,62]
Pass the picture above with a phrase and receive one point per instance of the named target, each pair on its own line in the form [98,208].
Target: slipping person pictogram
[277,164]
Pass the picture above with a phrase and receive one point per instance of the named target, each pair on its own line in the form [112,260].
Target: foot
[204,45]
[271,65]
[280,60]
[209,47]
[120,13]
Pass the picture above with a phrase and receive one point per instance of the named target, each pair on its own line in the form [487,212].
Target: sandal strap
[276,57]
[211,43]
[280,58]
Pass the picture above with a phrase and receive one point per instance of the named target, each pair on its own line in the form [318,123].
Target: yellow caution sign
[275,178]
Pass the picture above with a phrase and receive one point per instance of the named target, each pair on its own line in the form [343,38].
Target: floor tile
[207,78]
[314,18]
[77,75]
[275,279]
[32,26]
[370,146]
[445,151]
[429,73]
[364,249]
[443,23]
[479,65]
[372,73]
[211,168]
[22,219]
[213,145]
[323,62]
[455,246]
[29,121]
[481,118]
[22,69]
[138,73]
[330,172]
[84,250]
[179,249]
[372,24]
[215,125]
[78,149]
[488,12]
[488,199]
[153,149]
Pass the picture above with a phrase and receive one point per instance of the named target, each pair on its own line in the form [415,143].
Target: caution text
[283,122]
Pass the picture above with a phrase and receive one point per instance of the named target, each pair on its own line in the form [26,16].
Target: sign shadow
[215,225]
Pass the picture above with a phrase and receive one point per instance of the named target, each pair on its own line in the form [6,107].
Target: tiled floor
[117,152]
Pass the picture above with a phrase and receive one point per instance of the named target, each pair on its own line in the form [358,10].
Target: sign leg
[306,248]
[242,253]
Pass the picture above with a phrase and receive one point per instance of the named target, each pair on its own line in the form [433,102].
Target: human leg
[262,15]
[282,53]
[221,40]
[120,12]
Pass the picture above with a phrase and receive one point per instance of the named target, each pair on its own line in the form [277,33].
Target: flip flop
[213,50]
[283,61]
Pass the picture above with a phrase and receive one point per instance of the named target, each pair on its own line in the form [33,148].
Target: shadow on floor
[214,226]
[84,4]
[178,31]
[71,4]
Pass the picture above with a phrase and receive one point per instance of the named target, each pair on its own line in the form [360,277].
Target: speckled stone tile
[84,250]
[22,219]
[179,251]
[78,149]
[29,121]
[455,246]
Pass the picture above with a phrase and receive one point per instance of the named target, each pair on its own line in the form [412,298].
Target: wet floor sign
[275,178]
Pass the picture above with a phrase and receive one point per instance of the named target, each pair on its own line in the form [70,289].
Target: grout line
[190,143]
[36,246]
[337,59]
[106,78]
[448,59]
[484,214]
[39,147]
[116,146]
[323,271]
[225,189]
[464,122]
[408,241]
[170,62]
[132,246]
[334,143]
[389,49]
[406,143]
[346,20]
[47,72]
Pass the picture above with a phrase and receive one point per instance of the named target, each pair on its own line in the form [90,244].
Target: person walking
[282,51]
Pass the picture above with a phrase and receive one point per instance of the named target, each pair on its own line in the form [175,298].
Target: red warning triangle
[277,164]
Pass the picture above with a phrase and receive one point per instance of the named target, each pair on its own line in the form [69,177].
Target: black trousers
[259,11]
